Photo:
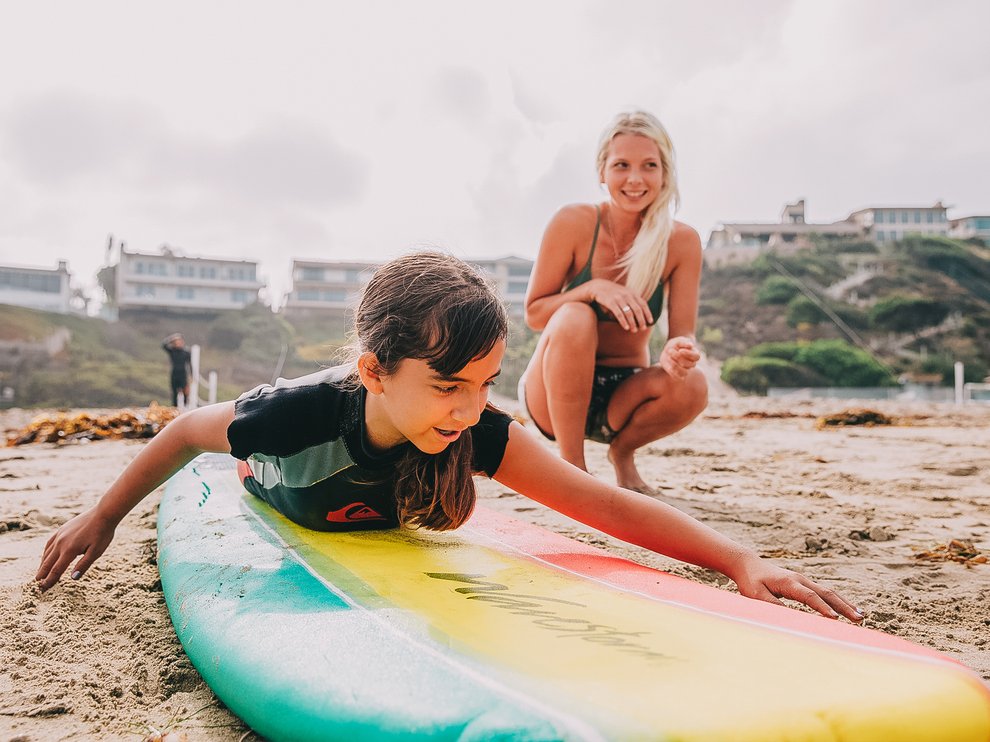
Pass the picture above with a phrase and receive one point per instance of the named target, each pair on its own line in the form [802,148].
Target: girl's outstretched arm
[530,469]
[89,533]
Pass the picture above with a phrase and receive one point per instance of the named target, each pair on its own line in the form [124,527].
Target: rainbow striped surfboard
[502,630]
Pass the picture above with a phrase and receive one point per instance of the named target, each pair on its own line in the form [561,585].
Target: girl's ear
[370,372]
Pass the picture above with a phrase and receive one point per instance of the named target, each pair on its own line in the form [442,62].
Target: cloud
[463,93]
[63,140]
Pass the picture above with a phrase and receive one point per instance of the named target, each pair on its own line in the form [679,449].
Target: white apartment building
[742,241]
[891,223]
[172,282]
[334,287]
[970,226]
[734,242]
[510,274]
[326,287]
[46,289]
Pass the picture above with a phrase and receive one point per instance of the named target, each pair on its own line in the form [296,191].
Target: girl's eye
[446,389]
[490,383]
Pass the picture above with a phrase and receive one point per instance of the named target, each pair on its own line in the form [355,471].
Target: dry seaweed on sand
[63,428]
[855,416]
[957,550]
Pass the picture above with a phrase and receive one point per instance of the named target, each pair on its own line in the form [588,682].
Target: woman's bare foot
[626,474]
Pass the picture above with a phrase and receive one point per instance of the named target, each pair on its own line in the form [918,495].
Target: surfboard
[503,630]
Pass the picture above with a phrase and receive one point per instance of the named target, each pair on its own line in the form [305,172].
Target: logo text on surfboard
[551,614]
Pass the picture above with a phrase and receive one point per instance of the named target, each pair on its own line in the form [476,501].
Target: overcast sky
[273,130]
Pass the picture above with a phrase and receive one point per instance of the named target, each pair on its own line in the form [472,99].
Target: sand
[98,658]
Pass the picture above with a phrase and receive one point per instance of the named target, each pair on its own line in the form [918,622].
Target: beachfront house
[47,289]
[171,282]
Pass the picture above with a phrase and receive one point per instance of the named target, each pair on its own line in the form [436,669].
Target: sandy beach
[849,506]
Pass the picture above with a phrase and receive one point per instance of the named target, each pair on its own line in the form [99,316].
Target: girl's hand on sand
[765,581]
[87,534]
[679,356]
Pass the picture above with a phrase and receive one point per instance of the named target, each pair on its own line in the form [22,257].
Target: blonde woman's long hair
[643,265]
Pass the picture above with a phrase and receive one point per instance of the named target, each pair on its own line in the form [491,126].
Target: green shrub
[785,351]
[776,290]
[802,310]
[852,316]
[900,313]
[842,364]
[758,374]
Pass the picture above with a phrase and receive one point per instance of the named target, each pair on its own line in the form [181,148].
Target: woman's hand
[679,356]
[629,308]
[765,581]
[88,534]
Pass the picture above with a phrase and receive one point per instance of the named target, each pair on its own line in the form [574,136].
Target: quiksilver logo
[561,617]
[354,512]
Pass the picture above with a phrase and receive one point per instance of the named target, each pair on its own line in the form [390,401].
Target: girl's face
[418,405]
[633,171]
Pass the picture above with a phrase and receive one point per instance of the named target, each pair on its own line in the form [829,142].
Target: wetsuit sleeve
[489,438]
[280,421]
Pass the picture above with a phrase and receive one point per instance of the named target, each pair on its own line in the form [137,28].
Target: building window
[144,290]
[931,217]
[904,217]
[879,219]
[39,282]
[185,292]
[881,236]
[185,270]
[240,296]
[207,271]
[917,216]
[334,295]
[517,287]
[311,274]
[308,295]
[520,270]
[241,273]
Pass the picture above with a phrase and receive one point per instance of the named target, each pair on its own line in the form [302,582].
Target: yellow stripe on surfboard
[635,665]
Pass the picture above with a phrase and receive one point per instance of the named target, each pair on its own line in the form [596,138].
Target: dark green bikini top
[655,303]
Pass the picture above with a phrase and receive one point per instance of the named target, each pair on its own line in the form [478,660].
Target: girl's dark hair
[432,307]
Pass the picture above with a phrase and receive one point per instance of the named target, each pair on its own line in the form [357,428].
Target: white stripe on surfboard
[572,724]
[738,619]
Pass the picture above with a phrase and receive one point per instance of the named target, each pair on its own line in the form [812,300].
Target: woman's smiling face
[633,171]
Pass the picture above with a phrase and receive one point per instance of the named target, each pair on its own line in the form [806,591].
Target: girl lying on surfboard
[395,436]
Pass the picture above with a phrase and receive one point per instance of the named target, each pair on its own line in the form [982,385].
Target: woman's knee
[574,321]
[694,396]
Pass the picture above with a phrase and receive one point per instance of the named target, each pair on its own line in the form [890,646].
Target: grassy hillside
[116,364]
[916,306]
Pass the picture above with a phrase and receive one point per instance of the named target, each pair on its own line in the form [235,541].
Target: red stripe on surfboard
[598,564]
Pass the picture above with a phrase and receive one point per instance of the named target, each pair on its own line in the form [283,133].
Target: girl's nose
[467,411]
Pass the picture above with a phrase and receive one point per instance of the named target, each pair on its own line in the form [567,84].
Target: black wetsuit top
[305,442]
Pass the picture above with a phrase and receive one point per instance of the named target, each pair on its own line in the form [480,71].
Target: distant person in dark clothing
[181,360]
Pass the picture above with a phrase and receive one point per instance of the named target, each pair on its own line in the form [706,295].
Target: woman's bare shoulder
[575,216]
[685,234]
[684,248]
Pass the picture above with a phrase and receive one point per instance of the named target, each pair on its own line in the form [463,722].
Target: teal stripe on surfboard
[293,658]
[503,630]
